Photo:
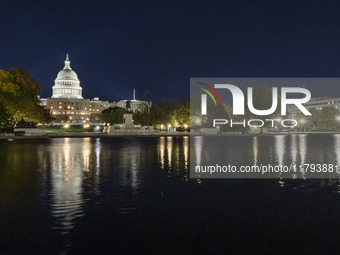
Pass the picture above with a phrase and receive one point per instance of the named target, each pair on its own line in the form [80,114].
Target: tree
[113,115]
[214,111]
[142,116]
[162,112]
[5,117]
[19,96]
[325,119]
[328,120]
[182,112]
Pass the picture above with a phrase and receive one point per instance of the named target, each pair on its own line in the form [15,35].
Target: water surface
[134,195]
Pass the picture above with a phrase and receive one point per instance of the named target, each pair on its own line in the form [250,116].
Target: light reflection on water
[68,162]
[296,150]
[169,142]
[255,149]
[173,153]
[75,168]
[81,179]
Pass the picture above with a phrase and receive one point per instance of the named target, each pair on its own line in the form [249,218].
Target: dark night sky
[116,46]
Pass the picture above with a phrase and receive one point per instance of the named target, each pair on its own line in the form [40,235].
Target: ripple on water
[311,186]
[65,211]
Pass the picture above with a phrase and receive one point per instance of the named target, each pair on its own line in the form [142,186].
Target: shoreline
[156,134]
[132,134]
[92,134]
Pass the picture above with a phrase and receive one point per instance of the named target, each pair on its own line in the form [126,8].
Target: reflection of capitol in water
[79,170]
[71,162]
[68,165]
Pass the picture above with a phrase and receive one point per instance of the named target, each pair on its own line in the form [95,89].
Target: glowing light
[66,126]
[185,126]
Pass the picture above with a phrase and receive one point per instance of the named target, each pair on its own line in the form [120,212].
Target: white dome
[67,74]
[67,84]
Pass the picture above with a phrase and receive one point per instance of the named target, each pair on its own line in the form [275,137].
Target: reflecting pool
[134,195]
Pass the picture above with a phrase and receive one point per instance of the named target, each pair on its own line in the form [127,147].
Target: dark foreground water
[134,196]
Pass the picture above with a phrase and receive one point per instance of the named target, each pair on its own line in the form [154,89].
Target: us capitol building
[67,104]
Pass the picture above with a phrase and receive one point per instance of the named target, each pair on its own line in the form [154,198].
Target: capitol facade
[67,104]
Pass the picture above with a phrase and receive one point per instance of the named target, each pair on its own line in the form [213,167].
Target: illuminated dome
[67,84]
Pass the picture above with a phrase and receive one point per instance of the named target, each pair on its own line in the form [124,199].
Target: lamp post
[278,125]
[198,123]
[66,126]
[303,121]
[338,119]
[86,127]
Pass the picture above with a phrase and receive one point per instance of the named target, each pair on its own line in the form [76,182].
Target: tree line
[164,112]
[20,104]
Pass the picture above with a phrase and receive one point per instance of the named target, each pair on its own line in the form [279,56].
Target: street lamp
[302,121]
[278,125]
[86,127]
[66,126]
[338,119]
